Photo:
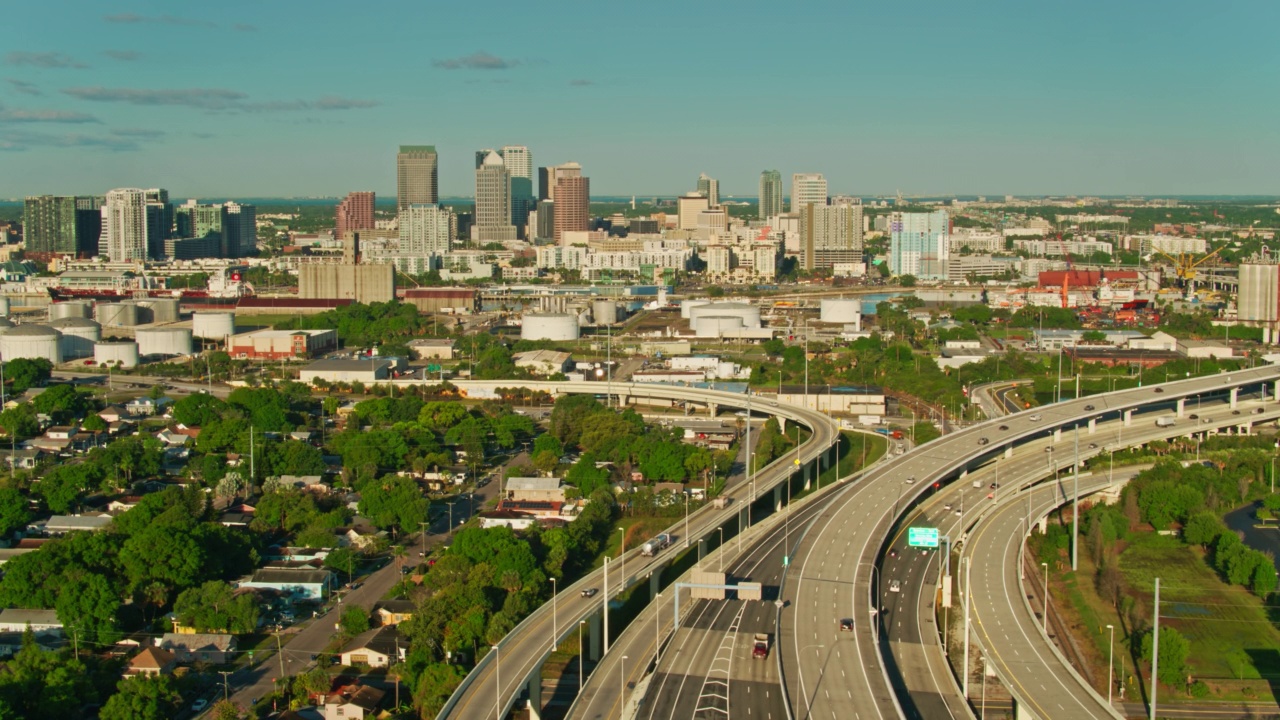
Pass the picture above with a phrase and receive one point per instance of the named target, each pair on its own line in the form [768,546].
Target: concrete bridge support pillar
[777,499]
[1093,425]
[702,548]
[1235,397]
[1057,434]
[713,409]
[1008,451]
[1246,429]
[593,637]
[534,688]
[1044,524]
[1182,406]
[1128,418]
[1020,712]
[1275,391]
[808,467]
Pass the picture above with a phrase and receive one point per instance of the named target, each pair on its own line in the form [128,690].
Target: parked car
[199,705]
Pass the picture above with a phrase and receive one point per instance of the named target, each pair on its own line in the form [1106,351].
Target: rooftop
[383,639]
[348,365]
[532,483]
[282,576]
[21,616]
[815,389]
[280,333]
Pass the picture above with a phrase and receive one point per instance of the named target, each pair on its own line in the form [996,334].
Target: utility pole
[280,654]
[1075,506]
[226,697]
[964,672]
[1155,652]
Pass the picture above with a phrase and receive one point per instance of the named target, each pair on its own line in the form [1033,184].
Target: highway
[500,677]
[850,680]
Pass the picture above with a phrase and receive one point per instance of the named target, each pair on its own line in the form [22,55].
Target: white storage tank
[116,314]
[164,341]
[716,325]
[750,314]
[605,312]
[31,341]
[68,309]
[213,325]
[686,306]
[116,354]
[549,326]
[78,336]
[160,310]
[840,311]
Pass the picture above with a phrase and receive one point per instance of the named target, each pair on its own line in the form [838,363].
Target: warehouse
[828,399]
[341,370]
[281,344]
[431,349]
[544,362]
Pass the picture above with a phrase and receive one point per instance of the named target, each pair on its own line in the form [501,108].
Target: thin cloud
[23,87]
[45,116]
[580,82]
[124,55]
[43,60]
[145,133]
[476,61]
[18,140]
[213,99]
[244,27]
[133,18]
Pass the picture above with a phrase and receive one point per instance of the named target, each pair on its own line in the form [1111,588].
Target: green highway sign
[922,537]
[433,368]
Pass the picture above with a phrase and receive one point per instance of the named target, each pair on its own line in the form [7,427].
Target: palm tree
[398,552]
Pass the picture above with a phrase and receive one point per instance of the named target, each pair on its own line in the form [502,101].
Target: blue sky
[292,98]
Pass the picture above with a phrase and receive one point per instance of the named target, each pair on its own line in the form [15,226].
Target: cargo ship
[225,289]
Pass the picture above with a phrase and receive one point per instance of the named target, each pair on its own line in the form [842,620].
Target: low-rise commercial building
[431,349]
[301,584]
[544,362]
[365,370]
[827,398]
[281,344]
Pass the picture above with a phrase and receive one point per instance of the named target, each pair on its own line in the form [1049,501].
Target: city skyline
[1110,100]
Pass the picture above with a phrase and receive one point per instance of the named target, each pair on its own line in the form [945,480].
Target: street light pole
[555,623]
[622,687]
[1111,648]
[686,518]
[657,631]
[497,681]
[719,546]
[1044,619]
[582,629]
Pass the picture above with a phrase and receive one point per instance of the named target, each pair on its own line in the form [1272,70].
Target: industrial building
[445,300]
[549,326]
[829,399]
[1258,301]
[281,344]
[361,283]
[365,370]
[431,349]
[544,362]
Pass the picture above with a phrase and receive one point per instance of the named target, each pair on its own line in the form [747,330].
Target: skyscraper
[688,206]
[831,234]
[124,225]
[808,188]
[424,230]
[417,177]
[572,208]
[355,213]
[770,194]
[239,229]
[710,188]
[159,221]
[493,202]
[519,162]
[49,224]
[919,244]
[550,175]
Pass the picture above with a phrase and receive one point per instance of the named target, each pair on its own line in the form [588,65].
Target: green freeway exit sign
[922,537]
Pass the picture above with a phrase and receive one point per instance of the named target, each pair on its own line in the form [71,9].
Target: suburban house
[393,612]
[113,414]
[41,622]
[375,648]
[300,584]
[11,642]
[352,701]
[123,504]
[7,554]
[152,661]
[213,648]
[315,483]
[145,406]
[26,458]
[534,489]
[63,524]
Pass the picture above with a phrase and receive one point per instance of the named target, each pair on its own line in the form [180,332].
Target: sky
[292,98]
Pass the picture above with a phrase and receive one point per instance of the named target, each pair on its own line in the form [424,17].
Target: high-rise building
[808,188]
[572,203]
[355,213]
[88,224]
[159,221]
[493,202]
[770,194]
[546,227]
[688,206]
[49,224]
[550,175]
[831,234]
[424,230]
[919,244]
[124,225]
[194,220]
[417,176]
[239,230]
[709,187]
[519,161]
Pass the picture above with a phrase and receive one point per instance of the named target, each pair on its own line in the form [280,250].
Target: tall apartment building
[710,188]
[831,234]
[124,225]
[550,175]
[64,225]
[519,161]
[770,194]
[239,230]
[688,207]
[919,244]
[424,230]
[159,220]
[572,210]
[545,227]
[355,213]
[719,260]
[808,188]
[417,176]
[493,202]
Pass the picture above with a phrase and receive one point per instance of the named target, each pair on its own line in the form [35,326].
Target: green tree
[87,606]
[13,511]
[19,421]
[24,373]
[393,500]
[143,698]
[907,280]
[435,684]
[61,402]
[1174,651]
[198,409]
[214,607]
[355,620]
[342,559]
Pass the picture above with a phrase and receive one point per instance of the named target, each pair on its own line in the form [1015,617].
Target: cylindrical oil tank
[31,341]
[117,354]
[4,307]
[164,341]
[549,326]
[688,305]
[68,309]
[605,312]
[213,325]
[840,311]
[162,310]
[750,314]
[116,314]
[78,336]
[716,325]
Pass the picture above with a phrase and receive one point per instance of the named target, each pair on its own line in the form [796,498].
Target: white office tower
[919,244]
[806,189]
[493,202]
[518,160]
[831,234]
[124,225]
[424,230]
[688,207]
[710,188]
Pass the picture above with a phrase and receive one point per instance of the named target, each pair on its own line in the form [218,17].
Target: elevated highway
[514,667]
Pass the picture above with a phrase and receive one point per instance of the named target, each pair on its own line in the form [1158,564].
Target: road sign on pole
[922,537]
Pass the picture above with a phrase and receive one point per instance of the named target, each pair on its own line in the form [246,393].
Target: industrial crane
[1185,265]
